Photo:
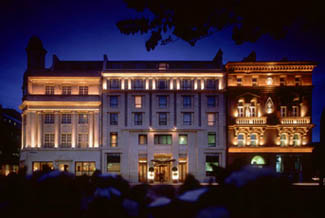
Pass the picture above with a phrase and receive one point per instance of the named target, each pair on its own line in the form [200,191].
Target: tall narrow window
[83,90]
[212,140]
[66,119]
[296,139]
[254,81]
[283,140]
[254,139]
[187,118]
[83,119]
[142,140]
[187,101]
[113,119]
[138,119]
[162,118]
[138,101]
[138,84]
[283,111]
[186,84]
[113,139]
[162,100]
[241,140]
[66,140]
[49,90]
[211,101]
[114,84]
[239,81]
[49,140]
[82,140]
[113,101]
[211,119]
[295,111]
[297,81]
[66,90]
[282,81]
[113,163]
[162,84]
[211,161]
[253,109]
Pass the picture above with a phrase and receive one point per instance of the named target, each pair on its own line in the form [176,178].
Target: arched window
[257,160]
[241,140]
[283,140]
[296,139]
[253,139]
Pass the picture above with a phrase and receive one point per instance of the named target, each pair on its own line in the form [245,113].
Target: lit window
[211,119]
[283,111]
[283,140]
[253,109]
[66,140]
[83,140]
[240,111]
[253,139]
[49,140]
[49,119]
[295,111]
[296,139]
[258,161]
[163,139]
[211,101]
[182,139]
[240,140]
[138,101]
[187,101]
[162,100]
[114,84]
[212,139]
[85,168]
[49,90]
[142,140]
[66,119]
[254,81]
[138,84]
[66,90]
[211,84]
[114,163]
[83,90]
[42,165]
[113,139]
[137,119]
[83,119]
[211,161]
[162,84]
[279,166]
[269,81]
[113,119]
[162,119]
[113,101]
[239,81]
[187,118]
[186,84]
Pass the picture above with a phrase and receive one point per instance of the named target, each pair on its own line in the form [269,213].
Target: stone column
[96,129]
[27,129]
[74,130]
[22,131]
[56,129]
[39,129]
[90,129]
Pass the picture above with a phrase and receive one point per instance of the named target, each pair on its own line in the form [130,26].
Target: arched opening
[257,160]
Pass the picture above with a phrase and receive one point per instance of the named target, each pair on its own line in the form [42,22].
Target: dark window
[162,84]
[163,139]
[297,81]
[66,118]
[211,139]
[211,84]
[142,140]
[239,81]
[113,101]
[83,90]
[282,81]
[113,118]
[211,101]
[138,84]
[113,163]
[114,84]
[83,118]
[49,90]
[254,81]
[66,90]
[162,119]
[187,118]
[137,119]
[162,101]
[211,161]
[49,119]
[187,101]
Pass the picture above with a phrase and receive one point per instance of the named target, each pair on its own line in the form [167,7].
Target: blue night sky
[86,30]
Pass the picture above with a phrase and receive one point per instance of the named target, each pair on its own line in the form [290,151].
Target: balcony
[294,120]
[251,120]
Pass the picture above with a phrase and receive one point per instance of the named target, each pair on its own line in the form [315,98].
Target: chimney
[35,54]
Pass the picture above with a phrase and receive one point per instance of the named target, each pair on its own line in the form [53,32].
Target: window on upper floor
[211,84]
[83,140]
[283,140]
[113,119]
[143,139]
[295,111]
[187,118]
[253,139]
[162,118]
[211,101]
[282,81]
[83,118]
[283,111]
[138,119]
[241,140]
[187,101]
[253,109]
[186,84]
[240,108]
[49,119]
[83,90]
[297,81]
[138,101]
[114,84]
[113,139]
[66,90]
[162,84]
[254,81]
[138,84]
[211,119]
[212,139]
[113,101]
[239,81]
[66,140]
[49,140]
[49,90]
[66,118]
[162,101]
[182,139]
[296,139]
[163,139]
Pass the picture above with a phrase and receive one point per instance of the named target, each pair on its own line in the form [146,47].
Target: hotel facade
[160,120]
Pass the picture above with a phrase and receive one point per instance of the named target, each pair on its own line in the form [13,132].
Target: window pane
[138,101]
[142,139]
[182,139]
[113,101]
[211,139]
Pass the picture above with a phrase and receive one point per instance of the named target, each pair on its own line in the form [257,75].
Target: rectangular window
[254,81]
[282,81]
[66,118]
[42,165]
[138,119]
[66,140]
[83,118]
[142,140]
[49,90]
[211,161]
[162,119]
[162,100]
[295,111]
[283,111]
[83,140]
[113,139]
[114,163]
[163,139]
[240,140]
[113,119]
[83,90]
[66,90]
[49,119]
[239,81]
[138,84]
[212,139]
[162,84]
[182,139]
[85,168]
[211,101]
[49,140]
[297,81]
[187,101]
[211,119]
[114,84]
[187,118]
[253,140]
[186,84]
[211,84]
[240,111]
[138,101]
[113,101]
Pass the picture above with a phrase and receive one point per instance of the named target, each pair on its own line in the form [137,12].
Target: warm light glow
[153,84]
[171,84]
[175,175]
[122,84]
[178,85]
[269,81]
[202,84]
[270,149]
[165,74]
[147,84]
[195,84]
[235,113]
[129,84]
[151,175]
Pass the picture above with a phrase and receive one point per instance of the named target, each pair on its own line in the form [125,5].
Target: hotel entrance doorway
[162,167]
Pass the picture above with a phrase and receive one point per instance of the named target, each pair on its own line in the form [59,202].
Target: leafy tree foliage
[168,20]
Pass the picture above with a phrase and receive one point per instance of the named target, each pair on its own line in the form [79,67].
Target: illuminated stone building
[269,115]
[144,120]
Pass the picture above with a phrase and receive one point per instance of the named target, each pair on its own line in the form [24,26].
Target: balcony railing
[295,120]
[250,120]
